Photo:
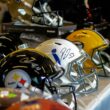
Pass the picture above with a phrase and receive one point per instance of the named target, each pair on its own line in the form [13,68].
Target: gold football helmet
[93,43]
[91,40]
[18,10]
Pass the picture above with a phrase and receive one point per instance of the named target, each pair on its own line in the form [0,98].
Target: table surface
[87,100]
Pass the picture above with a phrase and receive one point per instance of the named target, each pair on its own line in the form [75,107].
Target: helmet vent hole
[84,32]
[57,43]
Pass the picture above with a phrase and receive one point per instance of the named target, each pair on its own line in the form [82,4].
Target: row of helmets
[56,67]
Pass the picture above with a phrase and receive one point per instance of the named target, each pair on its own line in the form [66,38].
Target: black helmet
[27,66]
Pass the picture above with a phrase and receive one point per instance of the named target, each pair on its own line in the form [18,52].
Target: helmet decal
[57,59]
[22,81]
[65,53]
[17,78]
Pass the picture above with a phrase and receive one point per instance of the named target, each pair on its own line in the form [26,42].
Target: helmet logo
[57,59]
[65,54]
[22,81]
[17,78]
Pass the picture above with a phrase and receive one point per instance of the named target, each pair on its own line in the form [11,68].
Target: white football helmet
[71,58]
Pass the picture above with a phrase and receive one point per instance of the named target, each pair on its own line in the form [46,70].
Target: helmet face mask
[88,81]
[69,56]
[28,12]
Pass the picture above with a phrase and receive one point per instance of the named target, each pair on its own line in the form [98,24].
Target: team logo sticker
[17,78]
[57,59]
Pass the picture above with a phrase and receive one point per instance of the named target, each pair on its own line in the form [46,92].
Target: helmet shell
[61,51]
[91,40]
[26,66]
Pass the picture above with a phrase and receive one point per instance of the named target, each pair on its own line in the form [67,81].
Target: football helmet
[28,11]
[33,70]
[71,58]
[37,104]
[93,43]
[27,65]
